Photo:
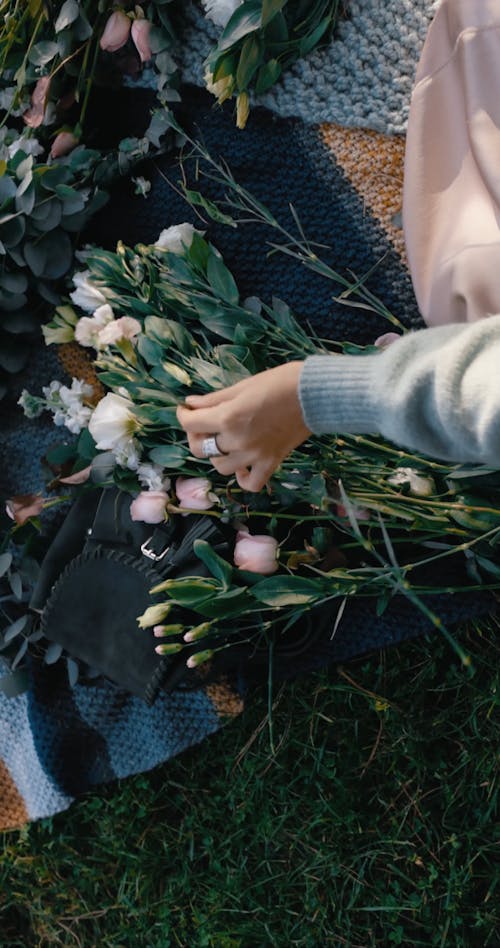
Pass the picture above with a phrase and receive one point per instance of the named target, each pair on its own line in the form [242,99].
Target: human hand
[257,422]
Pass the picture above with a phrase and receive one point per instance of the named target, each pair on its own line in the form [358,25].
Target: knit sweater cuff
[338,394]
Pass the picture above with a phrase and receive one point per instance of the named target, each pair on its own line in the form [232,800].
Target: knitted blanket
[58,741]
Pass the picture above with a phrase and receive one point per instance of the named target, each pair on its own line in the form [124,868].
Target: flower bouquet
[343,517]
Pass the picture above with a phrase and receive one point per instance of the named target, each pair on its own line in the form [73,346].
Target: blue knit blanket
[57,741]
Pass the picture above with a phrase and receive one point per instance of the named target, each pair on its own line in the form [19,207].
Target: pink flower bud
[63,144]
[256,553]
[23,506]
[79,478]
[386,339]
[149,506]
[140,35]
[116,32]
[194,493]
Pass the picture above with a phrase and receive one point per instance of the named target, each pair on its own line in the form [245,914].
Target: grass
[367,820]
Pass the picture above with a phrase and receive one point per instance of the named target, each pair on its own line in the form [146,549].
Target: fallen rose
[63,144]
[140,36]
[24,506]
[258,553]
[149,506]
[116,32]
[195,493]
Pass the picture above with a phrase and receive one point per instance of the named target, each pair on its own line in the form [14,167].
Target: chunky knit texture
[58,741]
[363,78]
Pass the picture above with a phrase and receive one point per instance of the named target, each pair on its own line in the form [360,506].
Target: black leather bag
[95,581]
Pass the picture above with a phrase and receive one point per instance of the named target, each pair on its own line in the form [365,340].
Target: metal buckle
[151,555]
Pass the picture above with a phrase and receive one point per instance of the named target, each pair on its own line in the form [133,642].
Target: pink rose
[116,32]
[149,506]
[63,144]
[195,493]
[79,478]
[386,340]
[256,553]
[34,116]
[23,506]
[140,35]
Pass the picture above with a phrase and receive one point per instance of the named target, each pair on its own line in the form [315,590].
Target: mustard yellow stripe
[373,163]
[13,813]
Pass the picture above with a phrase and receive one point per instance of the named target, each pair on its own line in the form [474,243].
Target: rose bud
[195,493]
[63,144]
[34,116]
[256,553]
[140,35]
[116,32]
[24,506]
[149,506]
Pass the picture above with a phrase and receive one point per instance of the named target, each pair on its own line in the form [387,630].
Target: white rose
[87,296]
[220,11]
[124,328]
[177,238]
[113,423]
[88,328]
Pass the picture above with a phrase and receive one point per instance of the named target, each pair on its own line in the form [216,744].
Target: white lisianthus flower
[88,328]
[113,423]
[220,11]
[419,486]
[177,238]
[87,296]
[153,477]
[67,404]
[114,331]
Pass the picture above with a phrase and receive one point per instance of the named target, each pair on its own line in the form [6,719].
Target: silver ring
[210,448]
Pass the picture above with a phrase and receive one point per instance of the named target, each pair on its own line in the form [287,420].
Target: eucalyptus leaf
[5,562]
[69,12]
[15,629]
[43,52]
[170,455]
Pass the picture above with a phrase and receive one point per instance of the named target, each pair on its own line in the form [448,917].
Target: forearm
[436,391]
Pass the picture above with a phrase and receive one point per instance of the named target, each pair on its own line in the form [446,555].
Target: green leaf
[199,200]
[268,74]
[170,455]
[233,602]
[286,591]
[151,351]
[43,52]
[13,630]
[221,280]
[191,589]
[36,257]
[217,566]
[69,12]
[250,60]
[245,19]
[270,8]
[5,561]
[309,42]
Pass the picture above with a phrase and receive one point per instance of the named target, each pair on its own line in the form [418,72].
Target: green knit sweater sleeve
[435,391]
